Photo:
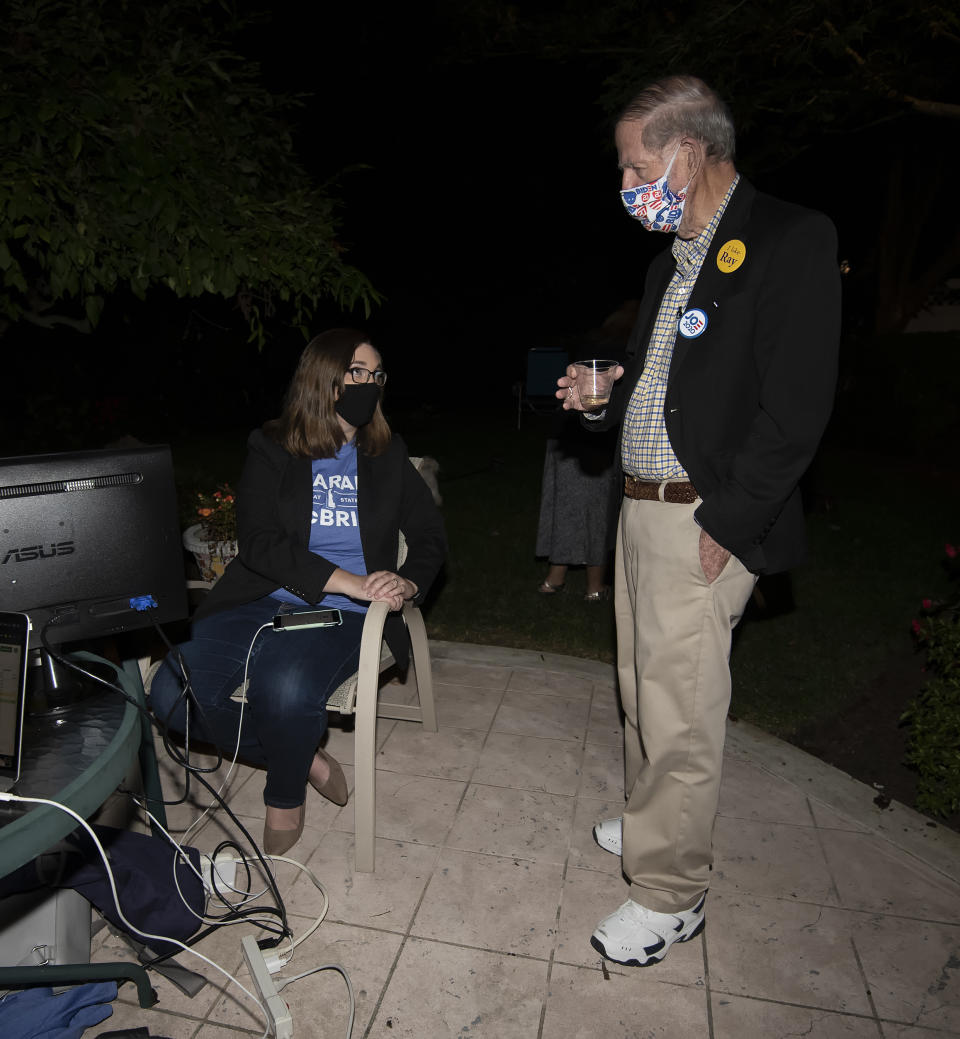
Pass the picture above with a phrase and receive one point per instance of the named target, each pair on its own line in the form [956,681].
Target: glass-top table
[77,757]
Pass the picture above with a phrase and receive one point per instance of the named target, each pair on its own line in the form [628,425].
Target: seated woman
[325,491]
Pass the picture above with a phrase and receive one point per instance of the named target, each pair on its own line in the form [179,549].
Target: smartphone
[14,648]
[306,617]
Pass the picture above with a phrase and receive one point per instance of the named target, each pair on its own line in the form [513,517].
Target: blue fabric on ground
[36,1013]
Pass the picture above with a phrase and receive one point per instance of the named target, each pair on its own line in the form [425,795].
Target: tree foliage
[140,151]
[797,68]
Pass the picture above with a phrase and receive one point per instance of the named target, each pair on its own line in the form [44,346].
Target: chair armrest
[376,618]
[368,673]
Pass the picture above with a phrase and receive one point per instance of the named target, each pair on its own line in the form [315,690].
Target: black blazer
[274,508]
[748,399]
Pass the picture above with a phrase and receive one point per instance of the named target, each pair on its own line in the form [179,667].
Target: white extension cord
[278,1013]
[263,966]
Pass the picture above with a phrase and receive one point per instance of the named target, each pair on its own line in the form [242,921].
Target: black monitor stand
[53,688]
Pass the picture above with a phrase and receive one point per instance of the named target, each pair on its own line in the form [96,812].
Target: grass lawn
[876,530]
[873,555]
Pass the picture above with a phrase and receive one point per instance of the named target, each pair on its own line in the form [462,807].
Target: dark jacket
[748,399]
[274,510]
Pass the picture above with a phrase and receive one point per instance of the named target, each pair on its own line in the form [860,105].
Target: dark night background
[481,199]
[488,214]
[479,193]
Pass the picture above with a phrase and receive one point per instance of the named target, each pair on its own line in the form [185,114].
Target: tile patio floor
[827,917]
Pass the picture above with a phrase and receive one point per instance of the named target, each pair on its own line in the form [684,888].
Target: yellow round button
[731,255]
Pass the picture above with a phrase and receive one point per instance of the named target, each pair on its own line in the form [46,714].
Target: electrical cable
[267,943]
[278,962]
[283,982]
[234,910]
[236,750]
[157,723]
[60,659]
[6,796]
[160,724]
[186,697]
[195,771]
[240,860]
[235,914]
[189,701]
[264,943]
[318,886]
[268,875]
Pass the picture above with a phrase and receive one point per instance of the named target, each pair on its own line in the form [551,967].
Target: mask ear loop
[666,173]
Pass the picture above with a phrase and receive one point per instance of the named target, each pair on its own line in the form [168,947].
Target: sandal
[549,589]
[600,596]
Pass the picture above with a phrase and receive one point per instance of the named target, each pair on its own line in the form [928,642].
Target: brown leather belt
[677,492]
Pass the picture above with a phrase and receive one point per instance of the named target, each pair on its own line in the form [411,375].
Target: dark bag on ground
[143,872]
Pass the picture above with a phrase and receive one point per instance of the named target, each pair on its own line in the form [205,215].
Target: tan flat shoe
[279,842]
[335,786]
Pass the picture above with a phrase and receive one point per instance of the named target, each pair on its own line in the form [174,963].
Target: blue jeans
[291,676]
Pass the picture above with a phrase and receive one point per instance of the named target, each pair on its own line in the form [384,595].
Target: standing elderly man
[724,395]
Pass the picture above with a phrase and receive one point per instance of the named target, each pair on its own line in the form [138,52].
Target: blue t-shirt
[334,529]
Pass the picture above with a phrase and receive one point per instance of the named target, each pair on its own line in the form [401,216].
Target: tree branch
[50,320]
[941,109]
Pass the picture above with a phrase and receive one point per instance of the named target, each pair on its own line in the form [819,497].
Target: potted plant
[213,539]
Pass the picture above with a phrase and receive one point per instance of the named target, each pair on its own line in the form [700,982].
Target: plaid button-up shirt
[645,449]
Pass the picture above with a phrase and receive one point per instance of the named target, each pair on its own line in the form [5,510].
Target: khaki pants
[673,651]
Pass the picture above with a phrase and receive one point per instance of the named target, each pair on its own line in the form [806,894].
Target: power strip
[280,1021]
[226,867]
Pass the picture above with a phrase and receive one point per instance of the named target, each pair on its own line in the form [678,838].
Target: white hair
[683,105]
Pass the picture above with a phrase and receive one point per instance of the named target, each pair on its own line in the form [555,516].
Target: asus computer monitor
[90,542]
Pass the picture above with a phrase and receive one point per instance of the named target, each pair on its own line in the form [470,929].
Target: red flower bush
[218,514]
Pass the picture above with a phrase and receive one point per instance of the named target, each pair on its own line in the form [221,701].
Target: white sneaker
[609,835]
[636,936]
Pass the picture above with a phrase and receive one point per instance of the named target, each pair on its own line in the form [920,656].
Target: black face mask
[358,403]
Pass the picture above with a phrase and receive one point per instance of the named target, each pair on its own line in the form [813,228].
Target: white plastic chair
[360,696]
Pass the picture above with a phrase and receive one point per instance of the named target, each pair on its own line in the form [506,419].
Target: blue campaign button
[693,323]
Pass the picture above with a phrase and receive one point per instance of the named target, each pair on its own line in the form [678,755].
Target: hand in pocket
[713,557]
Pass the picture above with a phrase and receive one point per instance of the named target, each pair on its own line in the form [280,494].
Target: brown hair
[308,425]
[682,105]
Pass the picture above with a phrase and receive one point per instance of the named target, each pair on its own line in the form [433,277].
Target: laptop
[14,647]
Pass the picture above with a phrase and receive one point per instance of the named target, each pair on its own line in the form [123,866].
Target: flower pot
[211,556]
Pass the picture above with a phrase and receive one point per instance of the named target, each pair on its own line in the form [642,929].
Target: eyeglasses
[362,375]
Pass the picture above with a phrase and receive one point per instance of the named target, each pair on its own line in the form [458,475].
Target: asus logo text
[28,552]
